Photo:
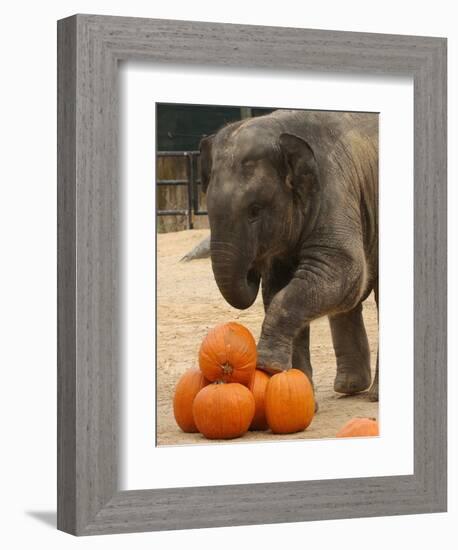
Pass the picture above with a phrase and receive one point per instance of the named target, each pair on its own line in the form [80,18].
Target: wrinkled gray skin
[292,202]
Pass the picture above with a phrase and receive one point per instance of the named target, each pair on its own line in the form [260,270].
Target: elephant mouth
[253,277]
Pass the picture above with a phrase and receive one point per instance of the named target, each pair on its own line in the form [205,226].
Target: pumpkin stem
[227,369]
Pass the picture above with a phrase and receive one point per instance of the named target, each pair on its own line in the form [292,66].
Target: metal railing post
[195,192]
[190,172]
[191,182]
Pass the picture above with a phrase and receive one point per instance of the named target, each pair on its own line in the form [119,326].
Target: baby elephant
[292,200]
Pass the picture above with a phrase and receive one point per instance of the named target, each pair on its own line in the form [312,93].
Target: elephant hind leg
[352,352]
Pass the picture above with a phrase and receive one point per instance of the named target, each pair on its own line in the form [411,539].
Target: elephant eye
[254,212]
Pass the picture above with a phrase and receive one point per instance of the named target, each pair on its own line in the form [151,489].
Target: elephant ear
[300,160]
[206,146]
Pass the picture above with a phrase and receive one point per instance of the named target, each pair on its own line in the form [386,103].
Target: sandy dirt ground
[189,304]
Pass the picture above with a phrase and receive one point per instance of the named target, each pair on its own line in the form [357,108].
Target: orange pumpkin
[289,403]
[189,385]
[359,427]
[223,411]
[228,354]
[258,386]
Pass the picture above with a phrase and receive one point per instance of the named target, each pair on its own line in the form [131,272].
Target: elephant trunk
[237,280]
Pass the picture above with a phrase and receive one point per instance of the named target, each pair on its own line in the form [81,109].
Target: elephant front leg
[273,282]
[352,352]
[284,340]
[306,297]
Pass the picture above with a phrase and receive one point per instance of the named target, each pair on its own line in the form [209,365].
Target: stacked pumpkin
[227,395]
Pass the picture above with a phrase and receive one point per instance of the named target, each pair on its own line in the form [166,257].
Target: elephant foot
[270,364]
[350,382]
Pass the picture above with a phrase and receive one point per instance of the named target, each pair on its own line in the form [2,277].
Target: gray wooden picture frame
[89,49]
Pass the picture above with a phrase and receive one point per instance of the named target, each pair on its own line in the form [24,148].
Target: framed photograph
[251,272]
[253,144]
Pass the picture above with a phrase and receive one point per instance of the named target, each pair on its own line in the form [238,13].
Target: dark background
[181,127]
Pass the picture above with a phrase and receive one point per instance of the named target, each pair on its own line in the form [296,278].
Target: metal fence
[191,182]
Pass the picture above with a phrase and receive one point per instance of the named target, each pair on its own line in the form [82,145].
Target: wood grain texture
[66,275]
[90,48]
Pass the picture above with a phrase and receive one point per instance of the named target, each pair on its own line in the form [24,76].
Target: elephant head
[260,185]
